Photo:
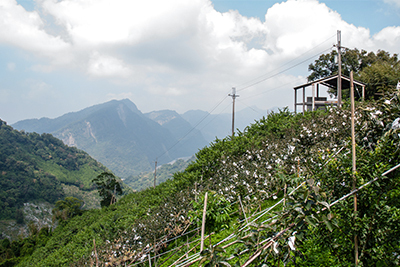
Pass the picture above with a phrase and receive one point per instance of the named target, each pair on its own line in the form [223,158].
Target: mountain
[180,128]
[220,125]
[37,170]
[118,135]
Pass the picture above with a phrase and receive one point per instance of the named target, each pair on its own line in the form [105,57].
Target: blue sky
[372,14]
[62,56]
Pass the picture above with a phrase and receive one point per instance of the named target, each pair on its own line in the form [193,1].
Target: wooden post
[339,79]
[155,252]
[149,259]
[304,99]
[244,213]
[313,97]
[353,145]
[95,252]
[295,101]
[363,93]
[203,224]
[188,247]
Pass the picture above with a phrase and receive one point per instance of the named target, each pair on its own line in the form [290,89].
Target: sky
[60,56]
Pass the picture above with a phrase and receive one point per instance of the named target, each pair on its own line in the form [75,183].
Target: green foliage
[34,168]
[213,257]
[380,72]
[217,213]
[268,160]
[67,208]
[108,188]
[11,253]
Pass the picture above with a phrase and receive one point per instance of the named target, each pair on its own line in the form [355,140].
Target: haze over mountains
[128,142]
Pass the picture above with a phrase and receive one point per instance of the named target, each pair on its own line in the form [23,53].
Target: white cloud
[180,52]
[25,30]
[11,66]
[387,38]
[393,2]
[39,90]
[103,65]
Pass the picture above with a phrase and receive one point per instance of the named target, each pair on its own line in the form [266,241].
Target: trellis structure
[315,101]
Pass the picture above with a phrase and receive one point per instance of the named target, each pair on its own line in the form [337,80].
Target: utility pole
[155,174]
[233,95]
[339,81]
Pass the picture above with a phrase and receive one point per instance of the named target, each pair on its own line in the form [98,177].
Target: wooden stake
[353,145]
[155,253]
[149,260]
[203,224]
[244,213]
[155,174]
[95,252]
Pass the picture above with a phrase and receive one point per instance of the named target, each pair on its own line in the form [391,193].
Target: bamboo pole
[269,243]
[353,145]
[203,223]
[175,263]
[244,213]
[95,252]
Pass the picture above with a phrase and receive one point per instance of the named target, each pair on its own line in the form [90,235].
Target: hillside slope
[41,169]
[286,174]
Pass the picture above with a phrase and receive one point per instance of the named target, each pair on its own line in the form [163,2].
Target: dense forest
[279,193]
[40,168]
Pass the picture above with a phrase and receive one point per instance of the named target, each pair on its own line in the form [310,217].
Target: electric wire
[255,83]
[192,129]
[287,63]
[280,72]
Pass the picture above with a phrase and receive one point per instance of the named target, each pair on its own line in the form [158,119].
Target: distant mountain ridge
[220,125]
[117,134]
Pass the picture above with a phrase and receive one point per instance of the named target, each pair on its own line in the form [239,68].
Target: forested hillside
[285,178]
[38,169]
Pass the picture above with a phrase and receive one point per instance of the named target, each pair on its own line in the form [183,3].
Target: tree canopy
[380,72]
[108,187]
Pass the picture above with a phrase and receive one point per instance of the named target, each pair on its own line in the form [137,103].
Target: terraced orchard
[281,192]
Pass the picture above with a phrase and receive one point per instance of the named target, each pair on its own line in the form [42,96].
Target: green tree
[67,208]
[380,71]
[108,187]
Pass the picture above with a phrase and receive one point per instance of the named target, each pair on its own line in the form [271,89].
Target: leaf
[299,210]
[327,222]
[325,204]
[310,221]
[204,252]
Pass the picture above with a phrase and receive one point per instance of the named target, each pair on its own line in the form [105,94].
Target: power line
[287,63]
[280,72]
[193,128]
[255,83]
[273,89]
